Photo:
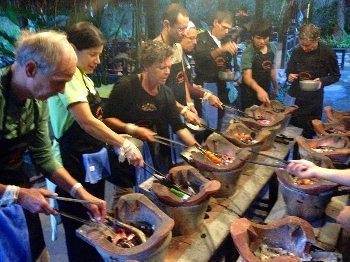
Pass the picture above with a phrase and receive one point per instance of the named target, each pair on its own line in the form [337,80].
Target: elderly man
[44,63]
[211,56]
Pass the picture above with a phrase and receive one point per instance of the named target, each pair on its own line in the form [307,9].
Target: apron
[73,144]
[21,233]
[310,103]
[261,73]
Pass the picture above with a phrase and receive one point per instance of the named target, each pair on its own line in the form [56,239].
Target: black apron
[261,73]
[12,173]
[310,103]
[75,142]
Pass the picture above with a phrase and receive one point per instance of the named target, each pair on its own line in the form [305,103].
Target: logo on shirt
[148,107]
[180,77]
[267,65]
[220,61]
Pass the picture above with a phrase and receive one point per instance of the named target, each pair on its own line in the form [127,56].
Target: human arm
[306,169]
[205,94]
[344,218]
[229,47]
[248,80]
[186,137]
[331,62]
[189,116]
[274,81]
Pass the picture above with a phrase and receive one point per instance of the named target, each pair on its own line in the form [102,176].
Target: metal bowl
[310,85]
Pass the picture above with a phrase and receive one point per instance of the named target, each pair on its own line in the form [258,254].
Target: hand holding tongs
[232,109]
[164,180]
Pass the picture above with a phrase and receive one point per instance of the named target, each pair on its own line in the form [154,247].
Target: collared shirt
[216,40]
[20,121]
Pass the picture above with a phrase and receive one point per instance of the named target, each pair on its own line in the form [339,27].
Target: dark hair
[154,52]
[222,16]
[84,35]
[172,12]
[261,27]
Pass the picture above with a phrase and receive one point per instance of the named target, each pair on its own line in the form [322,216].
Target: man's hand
[192,118]
[344,218]
[263,96]
[230,47]
[33,199]
[145,134]
[215,101]
[292,77]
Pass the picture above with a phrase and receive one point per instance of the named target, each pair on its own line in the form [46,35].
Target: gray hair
[152,52]
[309,32]
[45,48]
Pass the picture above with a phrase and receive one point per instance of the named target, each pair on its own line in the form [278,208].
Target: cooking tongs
[235,110]
[113,221]
[168,142]
[162,179]
[67,199]
[284,162]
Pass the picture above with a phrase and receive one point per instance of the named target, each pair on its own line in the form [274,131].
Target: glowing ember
[127,239]
[304,181]
[221,159]
[264,122]
[245,138]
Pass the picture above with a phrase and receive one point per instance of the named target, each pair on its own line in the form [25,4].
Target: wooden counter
[201,246]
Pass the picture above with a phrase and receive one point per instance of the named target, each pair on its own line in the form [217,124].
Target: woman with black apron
[81,136]
[310,61]
[258,67]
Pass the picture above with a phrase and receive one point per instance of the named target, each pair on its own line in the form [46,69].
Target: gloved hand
[129,151]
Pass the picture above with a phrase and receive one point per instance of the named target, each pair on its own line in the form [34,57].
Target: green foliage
[326,18]
[331,41]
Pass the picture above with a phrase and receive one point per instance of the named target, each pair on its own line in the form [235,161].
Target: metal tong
[168,142]
[234,110]
[67,199]
[164,180]
[115,221]
[285,162]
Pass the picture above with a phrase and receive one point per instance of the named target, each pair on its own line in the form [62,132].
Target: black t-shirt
[130,103]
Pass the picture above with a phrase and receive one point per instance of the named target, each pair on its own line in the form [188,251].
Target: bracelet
[130,128]
[10,195]
[184,110]
[206,95]
[74,189]
[190,104]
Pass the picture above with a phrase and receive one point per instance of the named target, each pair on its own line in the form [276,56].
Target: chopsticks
[74,200]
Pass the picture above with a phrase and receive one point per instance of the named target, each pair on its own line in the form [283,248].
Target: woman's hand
[215,101]
[263,96]
[99,211]
[145,134]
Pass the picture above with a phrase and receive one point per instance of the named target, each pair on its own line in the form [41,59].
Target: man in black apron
[311,60]
[258,67]
[44,63]
[213,55]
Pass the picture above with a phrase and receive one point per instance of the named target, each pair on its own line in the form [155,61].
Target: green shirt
[20,121]
[250,52]
[60,117]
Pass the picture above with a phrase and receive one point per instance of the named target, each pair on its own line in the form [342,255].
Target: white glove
[129,151]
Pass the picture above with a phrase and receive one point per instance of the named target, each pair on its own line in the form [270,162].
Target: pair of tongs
[168,142]
[114,221]
[284,162]
[67,199]
[162,179]
[235,110]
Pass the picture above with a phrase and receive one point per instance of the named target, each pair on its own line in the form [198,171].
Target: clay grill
[277,107]
[139,211]
[242,136]
[334,115]
[341,127]
[188,211]
[336,147]
[285,240]
[262,119]
[227,171]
